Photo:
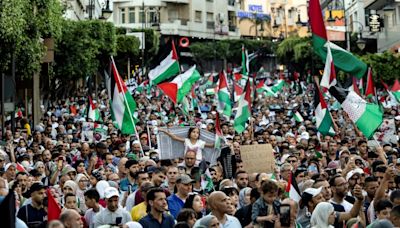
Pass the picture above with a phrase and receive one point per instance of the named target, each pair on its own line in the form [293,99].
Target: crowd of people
[116,179]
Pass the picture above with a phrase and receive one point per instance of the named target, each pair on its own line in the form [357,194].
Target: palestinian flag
[367,116]
[122,104]
[292,190]
[322,115]
[329,76]
[261,88]
[53,210]
[218,132]
[392,96]
[168,68]
[396,90]
[93,113]
[370,90]
[354,85]
[342,59]
[238,91]
[243,110]
[278,86]
[297,116]
[224,100]
[181,85]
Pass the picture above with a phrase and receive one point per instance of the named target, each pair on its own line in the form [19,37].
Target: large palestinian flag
[168,68]
[224,99]
[322,115]
[180,85]
[342,59]
[122,104]
[367,116]
[243,110]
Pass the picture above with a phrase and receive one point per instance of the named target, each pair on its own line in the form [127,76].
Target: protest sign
[258,158]
[171,149]
[93,132]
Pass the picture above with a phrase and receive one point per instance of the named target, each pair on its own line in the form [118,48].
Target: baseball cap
[352,172]
[110,192]
[9,165]
[308,194]
[184,179]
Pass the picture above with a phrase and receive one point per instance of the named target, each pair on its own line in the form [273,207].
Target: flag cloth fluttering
[396,90]
[323,117]
[94,113]
[292,190]
[366,116]
[342,59]
[168,68]
[329,76]
[370,90]
[53,209]
[262,88]
[122,104]
[243,112]
[180,85]
[218,132]
[224,101]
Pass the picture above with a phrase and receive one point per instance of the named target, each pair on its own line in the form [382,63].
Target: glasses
[292,161]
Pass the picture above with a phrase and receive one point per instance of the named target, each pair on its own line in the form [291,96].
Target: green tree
[297,53]
[23,23]
[385,66]
[85,48]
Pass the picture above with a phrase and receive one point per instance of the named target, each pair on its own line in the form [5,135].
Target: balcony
[176,1]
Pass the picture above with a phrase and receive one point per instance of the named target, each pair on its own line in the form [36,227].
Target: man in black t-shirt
[33,214]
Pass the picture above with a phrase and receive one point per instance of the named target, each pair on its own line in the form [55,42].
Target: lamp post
[105,12]
[361,43]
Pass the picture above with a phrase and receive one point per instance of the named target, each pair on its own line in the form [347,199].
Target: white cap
[352,172]
[110,192]
[313,191]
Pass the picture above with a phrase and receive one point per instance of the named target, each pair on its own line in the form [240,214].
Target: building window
[141,16]
[210,20]
[123,16]
[210,0]
[131,15]
[151,15]
[172,15]
[197,16]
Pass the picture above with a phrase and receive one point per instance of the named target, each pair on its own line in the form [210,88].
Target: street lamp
[106,12]
[361,43]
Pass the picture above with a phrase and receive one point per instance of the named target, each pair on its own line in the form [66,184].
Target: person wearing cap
[113,214]
[10,171]
[177,200]
[128,184]
[157,205]
[353,178]
[34,214]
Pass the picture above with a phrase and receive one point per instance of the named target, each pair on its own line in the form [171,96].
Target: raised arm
[174,137]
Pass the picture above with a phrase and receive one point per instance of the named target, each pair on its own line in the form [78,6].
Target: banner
[258,158]
[93,132]
[171,149]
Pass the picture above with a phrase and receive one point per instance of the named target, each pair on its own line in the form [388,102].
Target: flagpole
[129,110]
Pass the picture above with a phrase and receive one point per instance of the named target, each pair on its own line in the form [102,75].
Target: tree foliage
[84,48]
[297,53]
[23,23]
[385,66]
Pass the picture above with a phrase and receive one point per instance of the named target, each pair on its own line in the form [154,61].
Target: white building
[207,19]
[83,9]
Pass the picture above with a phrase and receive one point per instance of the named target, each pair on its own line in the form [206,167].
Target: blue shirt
[124,185]
[149,221]
[175,204]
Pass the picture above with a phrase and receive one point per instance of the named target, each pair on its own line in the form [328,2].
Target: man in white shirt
[113,214]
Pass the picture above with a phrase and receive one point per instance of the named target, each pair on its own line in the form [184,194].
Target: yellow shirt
[138,211]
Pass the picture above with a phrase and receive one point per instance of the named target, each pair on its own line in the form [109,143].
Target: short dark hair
[395,195]
[370,179]
[68,195]
[269,187]
[151,194]
[382,205]
[333,180]
[92,194]
[255,194]
[395,212]
[185,214]
[239,172]
[361,142]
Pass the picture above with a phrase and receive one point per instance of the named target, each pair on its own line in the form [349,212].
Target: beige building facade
[201,19]
[273,18]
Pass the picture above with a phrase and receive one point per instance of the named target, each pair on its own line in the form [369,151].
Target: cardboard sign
[258,158]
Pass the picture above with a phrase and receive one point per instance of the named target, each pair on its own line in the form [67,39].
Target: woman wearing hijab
[82,181]
[244,197]
[323,216]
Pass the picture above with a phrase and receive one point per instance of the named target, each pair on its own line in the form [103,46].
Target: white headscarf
[320,215]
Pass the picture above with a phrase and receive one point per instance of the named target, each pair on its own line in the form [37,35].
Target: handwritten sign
[258,158]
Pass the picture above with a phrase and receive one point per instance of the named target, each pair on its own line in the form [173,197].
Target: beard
[132,174]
